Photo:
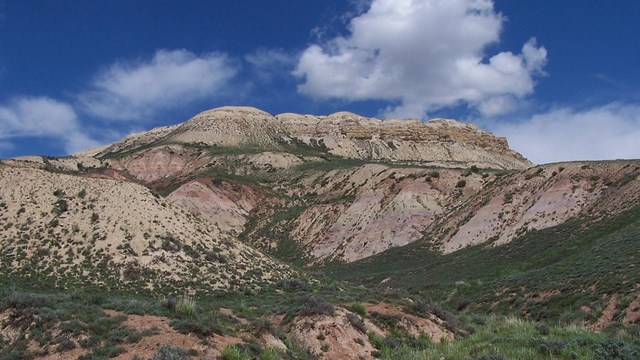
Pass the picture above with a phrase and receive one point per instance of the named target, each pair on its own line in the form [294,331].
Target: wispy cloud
[606,132]
[270,64]
[45,118]
[426,54]
[135,90]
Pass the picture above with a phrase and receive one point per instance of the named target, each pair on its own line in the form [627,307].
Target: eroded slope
[118,234]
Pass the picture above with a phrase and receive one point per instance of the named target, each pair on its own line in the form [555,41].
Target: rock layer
[440,142]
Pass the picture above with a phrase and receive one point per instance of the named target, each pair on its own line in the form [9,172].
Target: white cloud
[42,117]
[607,132]
[426,54]
[36,116]
[134,90]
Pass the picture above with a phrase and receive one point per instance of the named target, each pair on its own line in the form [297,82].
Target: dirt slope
[116,233]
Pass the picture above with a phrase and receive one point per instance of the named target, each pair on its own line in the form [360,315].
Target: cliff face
[440,141]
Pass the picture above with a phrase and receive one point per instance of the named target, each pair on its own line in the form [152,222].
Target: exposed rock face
[231,127]
[540,198]
[390,208]
[361,211]
[440,142]
[160,162]
[225,205]
[344,187]
[338,337]
[132,141]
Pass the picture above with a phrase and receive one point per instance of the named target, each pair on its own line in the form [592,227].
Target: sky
[559,79]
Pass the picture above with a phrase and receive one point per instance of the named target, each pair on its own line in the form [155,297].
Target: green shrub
[59,207]
[201,327]
[270,354]
[549,346]
[262,326]
[233,353]
[107,351]
[358,308]
[65,344]
[186,306]
[73,327]
[542,329]
[491,357]
[315,305]
[165,352]
[17,300]
[616,349]
[357,322]
[89,342]
[216,257]
[292,285]
[170,303]
[386,320]
[425,307]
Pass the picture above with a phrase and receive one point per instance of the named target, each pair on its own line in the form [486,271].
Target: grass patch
[513,339]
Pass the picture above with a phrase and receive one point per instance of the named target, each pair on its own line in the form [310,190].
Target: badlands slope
[313,189]
[117,234]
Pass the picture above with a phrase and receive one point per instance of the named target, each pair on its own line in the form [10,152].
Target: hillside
[319,236]
[321,203]
[75,230]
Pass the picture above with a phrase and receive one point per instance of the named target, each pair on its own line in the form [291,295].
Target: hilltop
[440,142]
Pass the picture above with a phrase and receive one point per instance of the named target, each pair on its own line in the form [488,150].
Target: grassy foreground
[512,338]
[56,323]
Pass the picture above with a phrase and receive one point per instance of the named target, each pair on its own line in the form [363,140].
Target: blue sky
[559,79]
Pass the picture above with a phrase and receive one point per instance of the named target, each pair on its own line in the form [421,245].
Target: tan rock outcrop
[439,141]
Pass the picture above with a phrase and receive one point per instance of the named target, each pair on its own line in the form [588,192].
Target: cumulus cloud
[607,132]
[42,117]
[422,55]
[133,90]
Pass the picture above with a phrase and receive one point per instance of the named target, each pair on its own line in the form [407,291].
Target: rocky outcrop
[438,142]
[132,141]
[231,127]
[223,204]
[540,198]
